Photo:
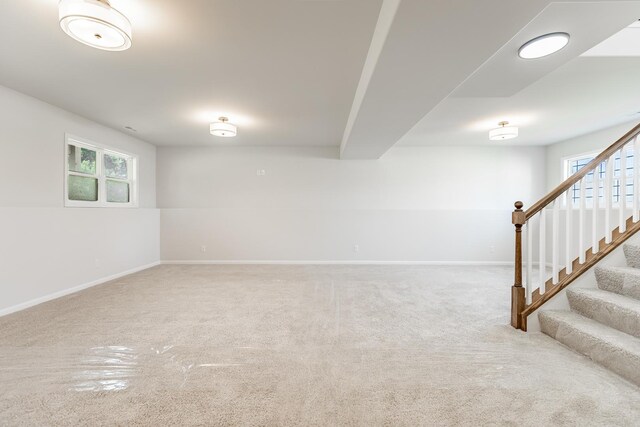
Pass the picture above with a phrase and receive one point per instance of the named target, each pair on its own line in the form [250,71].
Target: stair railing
[593,203]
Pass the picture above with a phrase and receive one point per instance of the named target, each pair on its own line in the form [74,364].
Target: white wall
[45,248]
[446,204]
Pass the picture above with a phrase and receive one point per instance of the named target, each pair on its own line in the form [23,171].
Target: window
[98,176]
[574,164]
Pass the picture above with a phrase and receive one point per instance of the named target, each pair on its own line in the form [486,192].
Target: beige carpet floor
[297,345]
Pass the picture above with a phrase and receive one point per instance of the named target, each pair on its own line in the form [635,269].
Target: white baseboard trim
[40,300]
[333,262]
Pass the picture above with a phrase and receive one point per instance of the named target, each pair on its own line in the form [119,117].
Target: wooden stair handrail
[520,310]
[576,177]
[591,259]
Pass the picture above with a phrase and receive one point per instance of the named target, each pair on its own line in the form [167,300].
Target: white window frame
[566,167]
[566,162]
[100,149]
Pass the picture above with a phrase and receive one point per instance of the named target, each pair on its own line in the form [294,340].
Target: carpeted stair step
[621,280]
[617,311]
[632,254]
[609,347]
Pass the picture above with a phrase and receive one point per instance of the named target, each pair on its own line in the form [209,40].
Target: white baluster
[543,257]
[555,248]
[583,204]
[636,178]
[608,177]
[596,206]
[529,238]
[568,231]
[622,201]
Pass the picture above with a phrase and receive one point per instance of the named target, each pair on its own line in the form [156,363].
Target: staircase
[565,235]
[575,226]
[604,322]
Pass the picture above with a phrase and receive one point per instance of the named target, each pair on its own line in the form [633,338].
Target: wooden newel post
[517,291]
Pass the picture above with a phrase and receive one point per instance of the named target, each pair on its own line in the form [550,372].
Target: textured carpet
[298,345]
[604,322]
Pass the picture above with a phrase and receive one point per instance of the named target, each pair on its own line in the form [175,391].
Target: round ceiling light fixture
[543,46]
[503,132]
[95,23]
[223,128]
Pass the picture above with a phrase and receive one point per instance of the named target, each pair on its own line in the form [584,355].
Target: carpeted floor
[297,345]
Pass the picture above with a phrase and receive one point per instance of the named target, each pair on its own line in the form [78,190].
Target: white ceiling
[293,72]
[623,43]
[431,47]
[555,98]
[505,73]
[285,71]
[585,95]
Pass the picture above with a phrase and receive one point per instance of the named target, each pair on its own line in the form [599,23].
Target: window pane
[82,159]
[83,188]
[117,191]
[115,166]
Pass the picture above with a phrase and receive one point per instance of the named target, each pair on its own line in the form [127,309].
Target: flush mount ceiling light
[503,132]
[543,45]
[223,128]
[95,23]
